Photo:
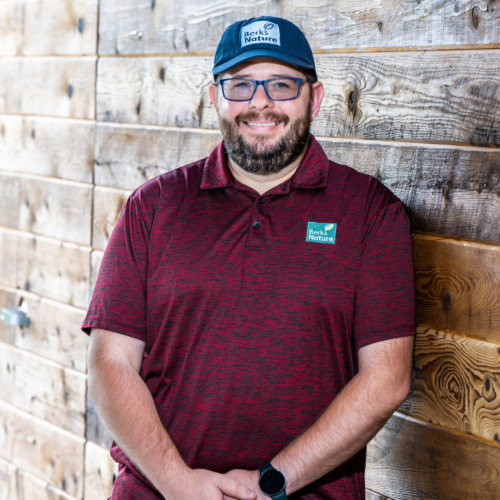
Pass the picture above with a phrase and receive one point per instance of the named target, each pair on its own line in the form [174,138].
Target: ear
[212,92]
[318,92]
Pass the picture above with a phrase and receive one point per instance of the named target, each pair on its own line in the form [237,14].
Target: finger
[235,489]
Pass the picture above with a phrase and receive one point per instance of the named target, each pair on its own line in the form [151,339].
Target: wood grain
[96,431]
[46,146]
[54,332]
[108,203]
[446,189]
[49,86]
[166,26]
[43,388]
[100,472]
[53,455]
[9,199]
[56,208]
[51,268]
[16,484]
[48,27]
[456,383]
[415,461]
[372,495]
[95,264]
[448,96]
[127,156]
[457,285]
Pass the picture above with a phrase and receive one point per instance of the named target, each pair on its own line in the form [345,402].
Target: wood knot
[475,17]
[352,100]
[495,438]
[446,300]
[81,25]
[380,24]
[162,74]
[70,91]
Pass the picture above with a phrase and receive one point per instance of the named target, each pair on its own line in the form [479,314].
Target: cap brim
[272,54]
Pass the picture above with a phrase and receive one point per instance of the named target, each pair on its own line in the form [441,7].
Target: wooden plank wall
[98,97]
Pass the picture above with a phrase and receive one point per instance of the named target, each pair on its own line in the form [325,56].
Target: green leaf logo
[328,227]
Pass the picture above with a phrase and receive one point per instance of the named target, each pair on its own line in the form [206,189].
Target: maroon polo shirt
[253,307]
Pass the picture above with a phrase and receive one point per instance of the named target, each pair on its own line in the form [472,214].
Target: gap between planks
[56,180]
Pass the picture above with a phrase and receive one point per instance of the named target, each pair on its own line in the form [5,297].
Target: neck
[263,183]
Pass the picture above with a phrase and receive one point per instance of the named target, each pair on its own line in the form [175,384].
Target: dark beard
[261,159]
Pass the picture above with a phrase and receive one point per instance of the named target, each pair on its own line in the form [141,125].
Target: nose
[260,101]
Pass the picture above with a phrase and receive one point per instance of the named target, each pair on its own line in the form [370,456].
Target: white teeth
[262,124]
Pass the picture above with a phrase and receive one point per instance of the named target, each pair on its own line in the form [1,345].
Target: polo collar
[312,172]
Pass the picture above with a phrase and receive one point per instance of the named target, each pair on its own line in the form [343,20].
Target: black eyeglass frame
[263,83]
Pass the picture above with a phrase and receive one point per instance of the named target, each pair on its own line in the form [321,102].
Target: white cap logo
[260,32]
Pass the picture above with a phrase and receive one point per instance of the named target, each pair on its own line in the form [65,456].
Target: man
[252,324]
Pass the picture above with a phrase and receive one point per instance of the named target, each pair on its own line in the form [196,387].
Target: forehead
[262,67]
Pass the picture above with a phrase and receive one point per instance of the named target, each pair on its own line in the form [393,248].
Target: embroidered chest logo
[260,32]
[321,232]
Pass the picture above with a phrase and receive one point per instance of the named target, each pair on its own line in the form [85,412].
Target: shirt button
[262,201]
[256,224]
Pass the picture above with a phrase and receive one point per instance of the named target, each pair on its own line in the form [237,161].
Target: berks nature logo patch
[260,32]
[321,232]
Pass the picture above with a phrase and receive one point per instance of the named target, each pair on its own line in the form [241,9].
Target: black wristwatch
[272,482]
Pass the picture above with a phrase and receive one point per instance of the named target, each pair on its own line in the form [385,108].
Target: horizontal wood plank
[48,27]
[54,331]
[100,472]
[53,455]
[126,156]
[45,146]
[416,96]
[43,388]
[108,203]
[165,26]
[446,189]
[49,86]
[10,191]
[458,285]
[96,431]
[16,484]
[47,267]
[56,208]
[456,383]
[372,495]
[416,461]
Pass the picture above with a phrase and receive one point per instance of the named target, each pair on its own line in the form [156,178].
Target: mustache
[253,116]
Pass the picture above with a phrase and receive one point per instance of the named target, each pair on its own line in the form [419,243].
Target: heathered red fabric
[251,332]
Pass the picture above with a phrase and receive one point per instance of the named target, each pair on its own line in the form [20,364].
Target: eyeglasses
[277,89]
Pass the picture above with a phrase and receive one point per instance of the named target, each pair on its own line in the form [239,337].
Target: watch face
[272,482]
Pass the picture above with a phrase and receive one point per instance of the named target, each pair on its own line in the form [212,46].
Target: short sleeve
[385,295]
[119,301]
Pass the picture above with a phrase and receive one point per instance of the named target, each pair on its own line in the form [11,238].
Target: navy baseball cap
[264,36]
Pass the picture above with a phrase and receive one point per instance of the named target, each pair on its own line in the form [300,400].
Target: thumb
[235,489]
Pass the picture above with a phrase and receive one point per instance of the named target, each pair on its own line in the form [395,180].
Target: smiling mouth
[269,124]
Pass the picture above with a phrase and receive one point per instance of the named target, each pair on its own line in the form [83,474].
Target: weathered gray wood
[48,27]
[54,332]
[9,245]
[96,430]
[127,156]
[43,388]
[16,484]
[49,86]
[412,460]
[56,208]
[100,472]
[371,495]
[446,189]
[47,146]
[53,455]
[108,203]
[155,90]
[448,96]
[166,26]
[51,268]
[9,200]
